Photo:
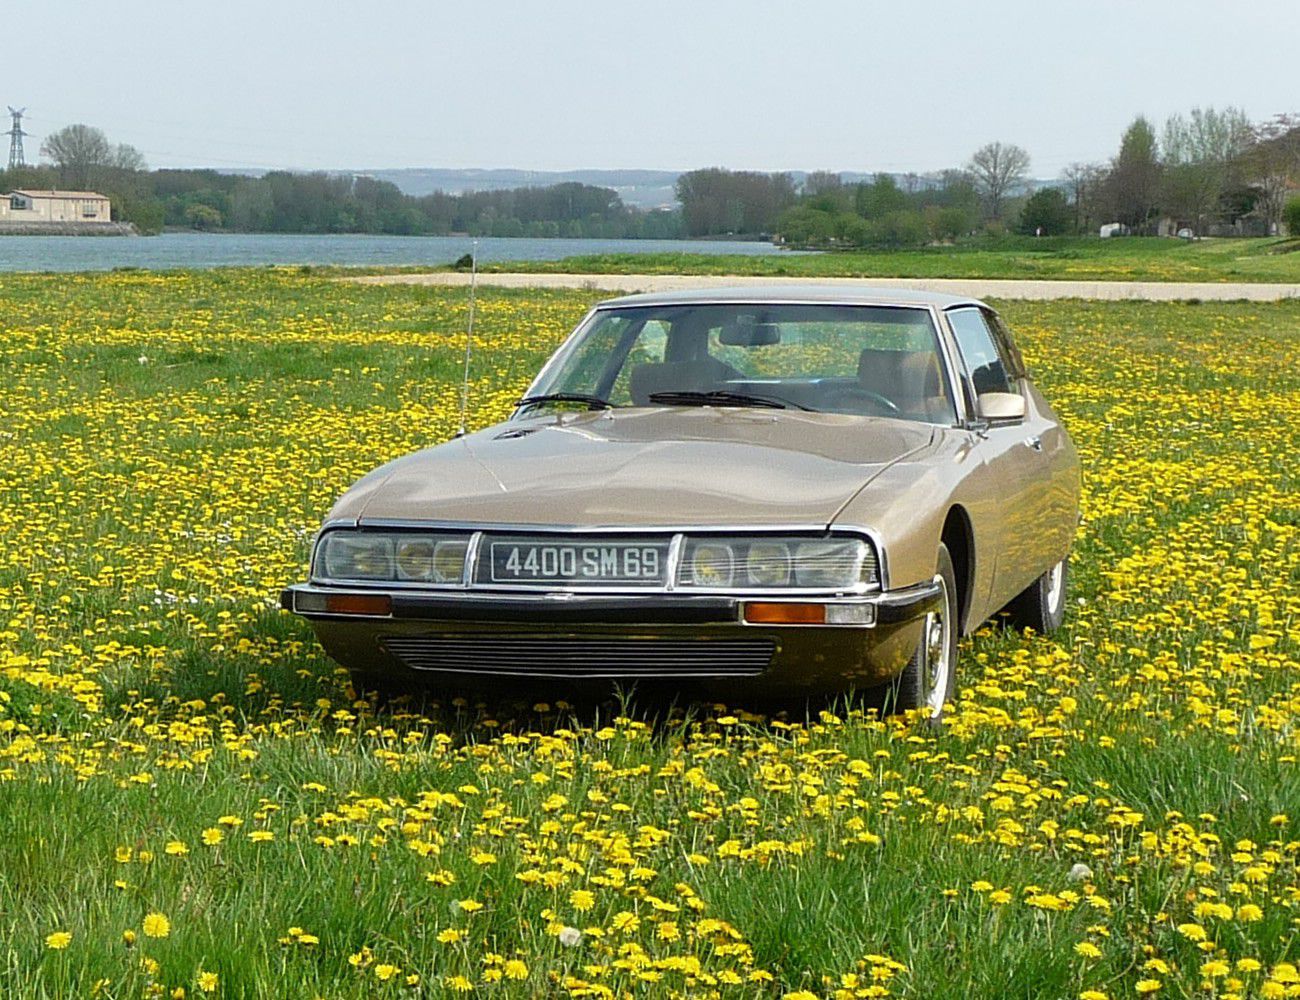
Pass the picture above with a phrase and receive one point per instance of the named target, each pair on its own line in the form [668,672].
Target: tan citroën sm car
[746,492]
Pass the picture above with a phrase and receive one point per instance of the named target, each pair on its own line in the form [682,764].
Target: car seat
[909,379]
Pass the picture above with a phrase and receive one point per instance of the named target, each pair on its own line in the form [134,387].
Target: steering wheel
[884,403]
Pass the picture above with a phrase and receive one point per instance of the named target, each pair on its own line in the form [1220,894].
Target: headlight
[712,564]
[838,564]
[407,557]
[767,564]
[355,556]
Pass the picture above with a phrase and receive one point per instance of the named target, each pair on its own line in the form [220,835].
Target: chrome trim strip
[881,601]
[674,560]
[709,297]
[533,527]
[471,560]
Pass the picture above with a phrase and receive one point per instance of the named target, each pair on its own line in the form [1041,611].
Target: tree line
[82,158]
[1208,172]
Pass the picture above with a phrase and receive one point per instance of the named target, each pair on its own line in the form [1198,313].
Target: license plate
[589,562]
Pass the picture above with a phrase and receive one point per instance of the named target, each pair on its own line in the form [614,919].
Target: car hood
[641,467]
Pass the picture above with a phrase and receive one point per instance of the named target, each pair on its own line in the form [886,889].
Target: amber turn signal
[772,613]
[359,604]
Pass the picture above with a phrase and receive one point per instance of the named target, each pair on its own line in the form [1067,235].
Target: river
[202,250]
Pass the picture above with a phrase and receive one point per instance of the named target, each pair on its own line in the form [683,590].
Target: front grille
[581,656]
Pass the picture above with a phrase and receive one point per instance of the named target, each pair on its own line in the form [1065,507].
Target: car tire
[928,680]
[1041,606]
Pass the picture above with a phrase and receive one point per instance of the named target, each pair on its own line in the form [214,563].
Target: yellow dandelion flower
[156,925]
[58,940]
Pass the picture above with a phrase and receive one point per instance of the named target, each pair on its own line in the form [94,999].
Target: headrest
[699,375]
[899,374]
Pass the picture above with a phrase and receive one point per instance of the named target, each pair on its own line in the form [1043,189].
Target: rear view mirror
[746,331]
[1000,406]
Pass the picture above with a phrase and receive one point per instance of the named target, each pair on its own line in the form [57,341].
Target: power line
[16,134]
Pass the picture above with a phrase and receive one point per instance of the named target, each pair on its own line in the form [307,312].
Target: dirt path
[993,288]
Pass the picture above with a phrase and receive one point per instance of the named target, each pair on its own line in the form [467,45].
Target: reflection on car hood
[641,467]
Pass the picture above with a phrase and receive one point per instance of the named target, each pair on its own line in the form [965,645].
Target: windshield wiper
[593,402]
[721,397]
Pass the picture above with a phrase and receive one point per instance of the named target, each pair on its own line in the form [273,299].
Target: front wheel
[1041,606]
[927,681]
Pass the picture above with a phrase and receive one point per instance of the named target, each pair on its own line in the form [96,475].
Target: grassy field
[1068,258]
[194,805]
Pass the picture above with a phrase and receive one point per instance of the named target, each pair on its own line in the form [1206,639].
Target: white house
[54,206]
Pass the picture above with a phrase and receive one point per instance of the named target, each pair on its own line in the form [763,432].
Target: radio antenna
[469,336]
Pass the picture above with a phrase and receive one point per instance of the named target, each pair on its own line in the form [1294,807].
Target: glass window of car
[866,360]
[989,371]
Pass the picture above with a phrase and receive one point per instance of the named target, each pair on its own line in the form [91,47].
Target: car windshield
[866,360]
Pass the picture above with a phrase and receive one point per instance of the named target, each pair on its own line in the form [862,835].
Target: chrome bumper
[891,607]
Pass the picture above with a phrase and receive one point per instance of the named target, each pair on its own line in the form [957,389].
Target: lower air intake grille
[582,656]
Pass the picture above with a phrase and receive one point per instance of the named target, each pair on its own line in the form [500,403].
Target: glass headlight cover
[767,564]
[405,557]
[355,555]
[711,564]
[778,562]
[835,562]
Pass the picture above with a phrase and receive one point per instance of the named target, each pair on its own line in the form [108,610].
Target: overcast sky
[564,84]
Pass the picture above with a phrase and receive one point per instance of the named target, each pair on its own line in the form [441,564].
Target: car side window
[989,371]
[1007,345]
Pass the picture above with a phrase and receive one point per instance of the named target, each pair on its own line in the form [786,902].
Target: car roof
[838,293]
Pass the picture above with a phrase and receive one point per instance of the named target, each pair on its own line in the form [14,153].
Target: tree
[1134,180]
[949,222]
[79,152]
[899,229]
[1201,155]
[716,201]
[1270,165]
[200,216]
[1291,214]
[820,182]
[1047,211]
[880,198]
[1085,183]
[125,157]
[996,169]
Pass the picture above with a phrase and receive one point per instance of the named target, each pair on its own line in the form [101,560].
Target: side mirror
[1000,406]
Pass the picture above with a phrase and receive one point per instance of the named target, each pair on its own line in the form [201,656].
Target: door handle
[1034,442]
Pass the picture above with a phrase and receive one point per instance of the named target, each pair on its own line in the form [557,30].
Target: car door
[1015,468]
